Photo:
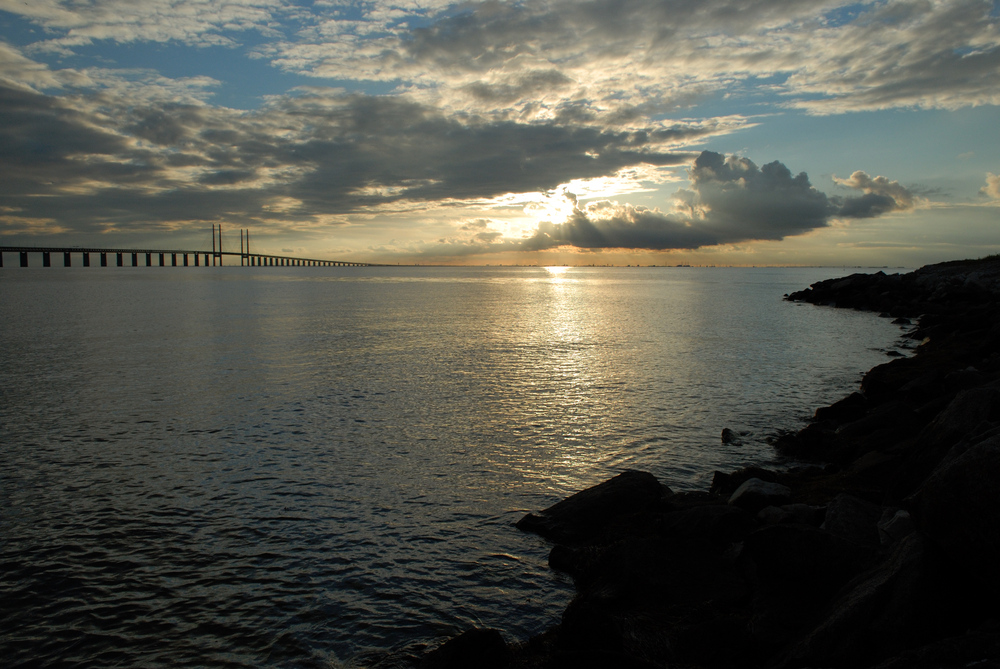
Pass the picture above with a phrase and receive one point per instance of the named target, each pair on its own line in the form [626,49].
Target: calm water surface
[295,466]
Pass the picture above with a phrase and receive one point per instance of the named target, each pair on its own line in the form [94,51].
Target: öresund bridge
[173,257]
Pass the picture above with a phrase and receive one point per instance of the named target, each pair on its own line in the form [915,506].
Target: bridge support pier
[67,259]
[185,260]
[149,260]
[162,264]
[86,259]
[135,260]
[46,259]
[104,259]
[24,258]
[119,260]
[173,260]
[195,259]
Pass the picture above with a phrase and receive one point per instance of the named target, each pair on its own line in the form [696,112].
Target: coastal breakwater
[877,546]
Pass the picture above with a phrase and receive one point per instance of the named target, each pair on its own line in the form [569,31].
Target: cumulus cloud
[731,200]
[992,187]
[881,196]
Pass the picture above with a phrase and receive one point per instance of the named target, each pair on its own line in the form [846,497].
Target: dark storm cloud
[731,200]
[133,165]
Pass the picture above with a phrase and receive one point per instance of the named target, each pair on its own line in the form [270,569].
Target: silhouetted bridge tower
[173,257]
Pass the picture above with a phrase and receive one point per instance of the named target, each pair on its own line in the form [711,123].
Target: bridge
[172,257]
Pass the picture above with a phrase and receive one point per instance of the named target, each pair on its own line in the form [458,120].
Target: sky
[715,132]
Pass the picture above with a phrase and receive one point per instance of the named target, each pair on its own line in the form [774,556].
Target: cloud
[193,22]
[905,53]
[601,61]
[606,57]
[992,187]
[111,159]
[731,200]
[881,196]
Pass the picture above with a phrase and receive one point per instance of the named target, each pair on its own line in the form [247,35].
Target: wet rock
[754,494]
[730,437]
[588,512]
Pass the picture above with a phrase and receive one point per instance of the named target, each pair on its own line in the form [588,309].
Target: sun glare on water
[557,270]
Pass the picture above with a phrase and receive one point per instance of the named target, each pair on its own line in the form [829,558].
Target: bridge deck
[246,258]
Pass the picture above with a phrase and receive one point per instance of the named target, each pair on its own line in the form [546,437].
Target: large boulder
[958,507]
[588,513]
[853,519]
[794,570]
[755,494]
[850,408]
[878,613]
[714,524]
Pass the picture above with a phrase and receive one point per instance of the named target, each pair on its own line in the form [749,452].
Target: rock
[814,442]
[850,408]
[730,437]
[715,524]
[875,613]
[725,484]
[979,648]
[795,569]
[969,408]
[587,513]
[895,524]
[853,519]
[959,509]
[801,514]
[755,494]
[796,554]
[482,648]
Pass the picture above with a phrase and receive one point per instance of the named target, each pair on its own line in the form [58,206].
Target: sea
[307,467]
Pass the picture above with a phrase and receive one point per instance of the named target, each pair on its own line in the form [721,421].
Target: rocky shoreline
[884,553]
